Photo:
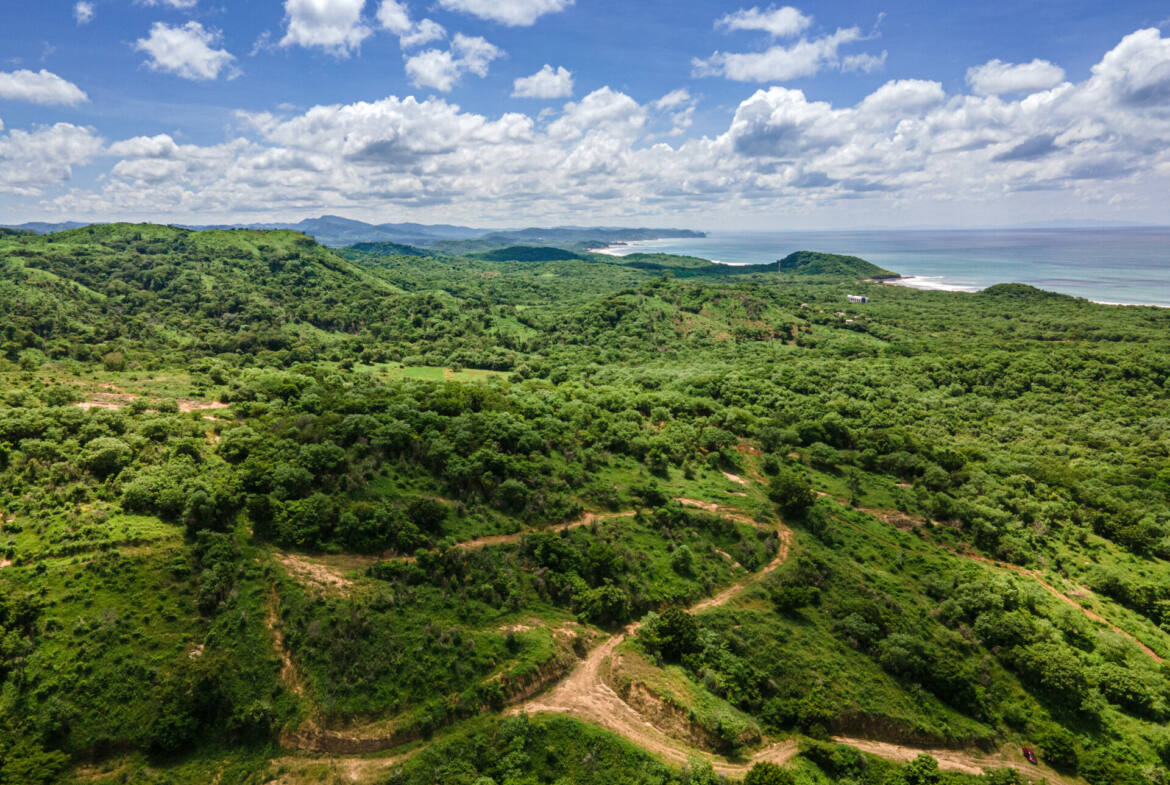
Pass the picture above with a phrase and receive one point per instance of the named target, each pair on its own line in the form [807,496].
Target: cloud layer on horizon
[1020,131]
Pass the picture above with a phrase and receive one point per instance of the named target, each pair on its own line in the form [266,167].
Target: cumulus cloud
[680,108]
[186,52]
[335,26]
[782,22]
[394,16]
[442,70]
[84,12]
[1137,71]
[904,95]
[32,160]
[514,13]
[170,3]
[545,83]
[41,87]
[996,77]
[906,145]
[779,63]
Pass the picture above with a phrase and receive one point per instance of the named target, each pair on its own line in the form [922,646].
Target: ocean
[1124,265]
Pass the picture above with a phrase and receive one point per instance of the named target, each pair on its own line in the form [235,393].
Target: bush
[106,456]
[765,773]
[792,491]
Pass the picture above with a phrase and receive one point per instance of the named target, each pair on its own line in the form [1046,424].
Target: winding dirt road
[585,695]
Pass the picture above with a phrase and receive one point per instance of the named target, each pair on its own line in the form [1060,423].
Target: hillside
[275,514]
[88,292]
[813,263]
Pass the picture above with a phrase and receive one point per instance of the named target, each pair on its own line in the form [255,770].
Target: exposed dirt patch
[107,400]
[297,770]
[288,669]
[708,506]
[315,573]
[896,518]
[5,563]
[196,653]
[186,405]
[735,478]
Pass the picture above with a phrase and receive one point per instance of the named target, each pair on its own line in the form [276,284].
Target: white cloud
[864,62]
[170,3]
[186,52]
[40,87]
[996,77]
[394,16]
[908,149]
[1137,71]
[673,99]
[779,63]
[84,12]
[514,13]
[782,22]
[603,111]
[161,146]
[442,70]
[680,107]
[335,26]
[545,83]
[904,95]
[32,160]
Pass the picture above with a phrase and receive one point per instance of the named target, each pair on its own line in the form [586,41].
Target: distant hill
[41,227]
[336,231]
[527,253]
[1024,292]
[814,263]
[389,249]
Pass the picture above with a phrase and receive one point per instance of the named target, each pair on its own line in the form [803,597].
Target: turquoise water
[1105,265]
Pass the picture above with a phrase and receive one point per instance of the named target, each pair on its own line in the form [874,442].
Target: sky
[690,113]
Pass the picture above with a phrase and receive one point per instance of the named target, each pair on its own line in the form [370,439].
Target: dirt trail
[960,761]
[297,769]
[288,669]
[1038,576]
[1035,575]
[325,572]
[585,695]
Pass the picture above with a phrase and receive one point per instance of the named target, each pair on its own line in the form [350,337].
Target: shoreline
[907,281]
[926,283]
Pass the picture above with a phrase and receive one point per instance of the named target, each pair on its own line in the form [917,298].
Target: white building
[857,298]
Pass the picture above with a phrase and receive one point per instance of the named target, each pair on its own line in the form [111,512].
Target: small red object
[1031,756]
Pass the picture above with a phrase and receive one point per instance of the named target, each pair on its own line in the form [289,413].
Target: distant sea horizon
[1115,266]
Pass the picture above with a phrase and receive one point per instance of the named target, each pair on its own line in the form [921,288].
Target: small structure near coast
[857,298]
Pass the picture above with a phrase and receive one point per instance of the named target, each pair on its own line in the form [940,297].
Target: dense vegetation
[259,497]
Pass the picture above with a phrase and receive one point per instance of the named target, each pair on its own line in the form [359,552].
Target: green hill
[91,291]
[814,263]
[388,249]
[526,253]
[271,514]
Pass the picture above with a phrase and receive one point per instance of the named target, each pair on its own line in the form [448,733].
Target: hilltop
[813,263]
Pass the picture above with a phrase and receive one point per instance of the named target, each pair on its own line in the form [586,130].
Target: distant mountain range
[336,231]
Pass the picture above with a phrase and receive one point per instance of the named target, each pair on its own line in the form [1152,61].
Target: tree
[923,770]
[106,456]
[765,773]
[792,491]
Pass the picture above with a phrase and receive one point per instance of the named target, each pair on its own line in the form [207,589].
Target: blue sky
[499,112]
